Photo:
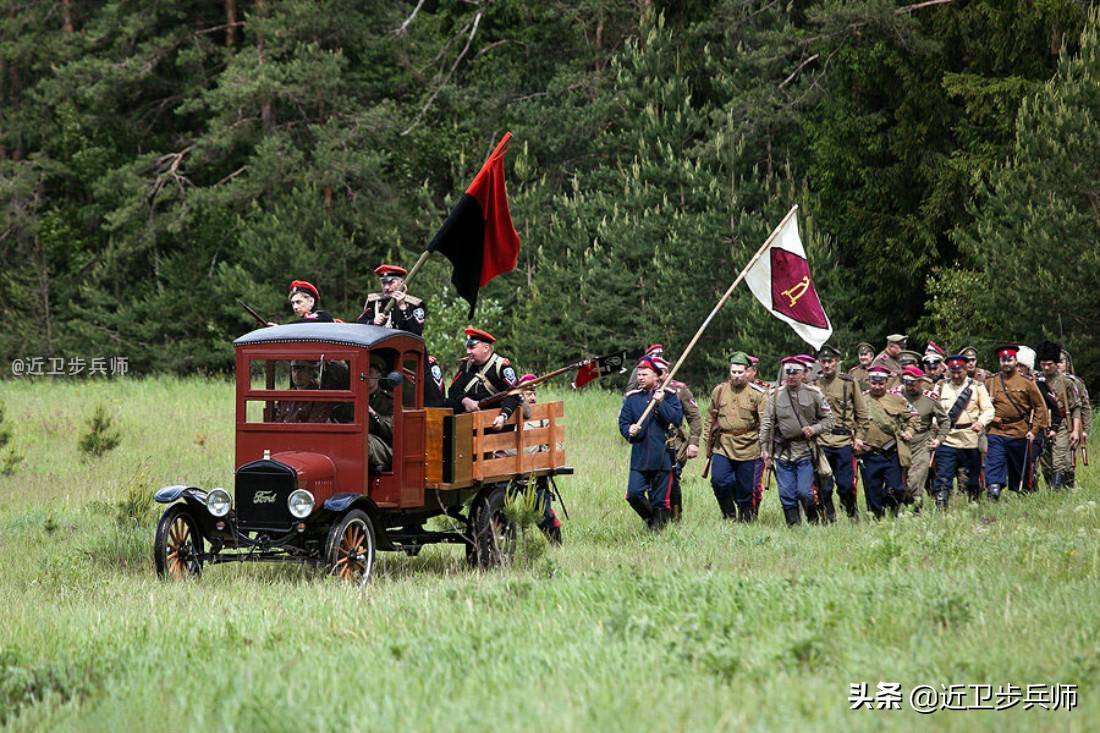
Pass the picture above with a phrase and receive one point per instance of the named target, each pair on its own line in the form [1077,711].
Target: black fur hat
[1047,351]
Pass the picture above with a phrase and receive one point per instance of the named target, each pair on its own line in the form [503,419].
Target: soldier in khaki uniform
[1056,460]
[1065,366]
[865,353]
[968,410]
[733,441]
[972,369]
[920,449]
[1019,412]
[793,418]
[892,420]
[683,445]
[847,402]
[888,357]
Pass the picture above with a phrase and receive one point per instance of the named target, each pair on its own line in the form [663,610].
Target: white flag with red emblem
[780,279]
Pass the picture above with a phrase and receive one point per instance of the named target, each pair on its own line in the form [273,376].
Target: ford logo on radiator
[263,497]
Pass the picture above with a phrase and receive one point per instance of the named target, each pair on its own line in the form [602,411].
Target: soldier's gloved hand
[470,405]
[634,429]
[692,451]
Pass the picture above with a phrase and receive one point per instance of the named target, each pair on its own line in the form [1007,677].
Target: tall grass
[708,626]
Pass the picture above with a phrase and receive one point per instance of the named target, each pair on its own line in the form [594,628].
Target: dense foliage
[159,160]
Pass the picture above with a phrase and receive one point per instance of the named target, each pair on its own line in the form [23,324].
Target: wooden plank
[433,445]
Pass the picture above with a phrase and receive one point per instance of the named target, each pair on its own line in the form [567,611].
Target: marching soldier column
[844,441]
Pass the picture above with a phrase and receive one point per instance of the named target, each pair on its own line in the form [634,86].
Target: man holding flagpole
[649,489]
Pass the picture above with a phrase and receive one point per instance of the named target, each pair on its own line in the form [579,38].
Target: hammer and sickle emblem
[796,291]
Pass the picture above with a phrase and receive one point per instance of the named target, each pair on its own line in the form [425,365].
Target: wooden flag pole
[722,301]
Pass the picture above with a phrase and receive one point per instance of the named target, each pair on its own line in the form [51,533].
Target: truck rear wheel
[491,535]
[350,549]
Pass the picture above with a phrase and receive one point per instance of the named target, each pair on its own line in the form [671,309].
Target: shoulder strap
[960,403]
[1015,404]
[481,377]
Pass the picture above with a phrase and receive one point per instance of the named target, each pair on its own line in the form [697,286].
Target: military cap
[908,357]
[828,352]
[740,357]
[955,361]
[912,372]
[477,334]
[390,271]
[654,350]
[934,348]
[793,362]
[650,363]
[753,360]
[1007,350]
[969,352]
[863,346]
[662,363]
[1047,351]
[301,286]
[526,378]
[896,338]
[877,371]
[931,359]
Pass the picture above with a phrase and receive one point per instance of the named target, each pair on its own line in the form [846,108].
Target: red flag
[478,236]
[588,372]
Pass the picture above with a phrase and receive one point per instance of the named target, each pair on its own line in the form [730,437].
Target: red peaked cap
[390,271]
[955,361]
[793,360]
[878,370]
[527,378]
[654,349]
[912,371]
[1007,350]
[301,286]
[477,333]
[934,348]
[648,362]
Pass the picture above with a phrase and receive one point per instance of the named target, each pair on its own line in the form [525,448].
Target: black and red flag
[478,236]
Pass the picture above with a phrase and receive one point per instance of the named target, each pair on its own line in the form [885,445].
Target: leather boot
[850,508]
[941,499]
[812,515]
[994,492]
[641,506]
[828,509]
[725,504]
[1056,481]
[659,519]
[744,512]
[792,515]
[1068,479]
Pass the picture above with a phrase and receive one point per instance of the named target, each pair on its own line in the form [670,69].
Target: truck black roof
[345,334]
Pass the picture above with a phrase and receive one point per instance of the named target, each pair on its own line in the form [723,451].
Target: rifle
[712,439]
[252,312]
[499,397]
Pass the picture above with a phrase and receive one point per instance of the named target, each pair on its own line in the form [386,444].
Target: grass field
[709,626]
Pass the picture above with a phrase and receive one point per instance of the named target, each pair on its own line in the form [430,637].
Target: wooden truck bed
[462,450]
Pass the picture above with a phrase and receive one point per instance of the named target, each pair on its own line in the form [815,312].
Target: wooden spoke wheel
[178,545]
[350,548]
[491,535]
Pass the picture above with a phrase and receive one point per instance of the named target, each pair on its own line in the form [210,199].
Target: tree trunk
[267,117]
[66,16]
[230,23]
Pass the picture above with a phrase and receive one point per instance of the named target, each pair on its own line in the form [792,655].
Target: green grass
[708,627]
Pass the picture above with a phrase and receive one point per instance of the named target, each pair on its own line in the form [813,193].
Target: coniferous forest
[160,160]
